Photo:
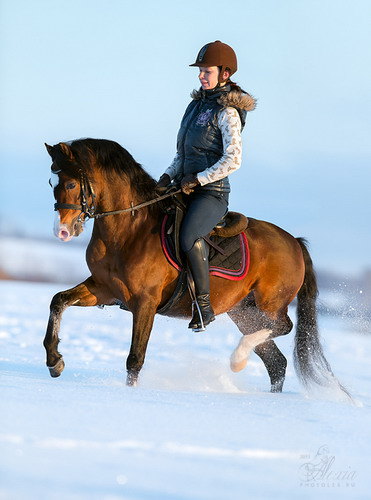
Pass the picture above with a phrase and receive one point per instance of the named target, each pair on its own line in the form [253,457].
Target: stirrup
[202,321]
[200,327]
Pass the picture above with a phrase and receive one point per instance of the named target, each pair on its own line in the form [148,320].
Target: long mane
[110,157]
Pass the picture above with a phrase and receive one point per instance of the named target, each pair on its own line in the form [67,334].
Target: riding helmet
[217,54]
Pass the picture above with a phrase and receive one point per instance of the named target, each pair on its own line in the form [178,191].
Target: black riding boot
[198,264]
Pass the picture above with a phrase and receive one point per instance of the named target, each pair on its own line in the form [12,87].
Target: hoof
[247,343]
[57,369]
[240,356]
[237,366]
[277,386]
[132,379]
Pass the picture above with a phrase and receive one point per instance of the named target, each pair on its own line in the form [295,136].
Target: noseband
[87,191]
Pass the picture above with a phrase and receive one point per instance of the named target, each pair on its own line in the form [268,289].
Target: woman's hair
[233,85]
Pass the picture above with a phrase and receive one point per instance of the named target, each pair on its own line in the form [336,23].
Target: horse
[99,179]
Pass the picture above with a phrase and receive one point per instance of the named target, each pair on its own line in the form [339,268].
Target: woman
[208,150]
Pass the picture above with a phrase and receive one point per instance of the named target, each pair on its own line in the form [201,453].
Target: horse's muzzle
[64,231]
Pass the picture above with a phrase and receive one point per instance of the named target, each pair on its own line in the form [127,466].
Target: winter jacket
[200,141]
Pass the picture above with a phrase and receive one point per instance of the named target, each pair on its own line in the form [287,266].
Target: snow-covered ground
[192,429]
[43,260]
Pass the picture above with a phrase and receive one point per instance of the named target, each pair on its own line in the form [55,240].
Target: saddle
[229,251]
[231,224]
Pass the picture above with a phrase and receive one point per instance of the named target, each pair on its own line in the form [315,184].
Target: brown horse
[92,177]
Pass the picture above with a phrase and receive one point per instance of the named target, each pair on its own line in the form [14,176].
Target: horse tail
[311,366]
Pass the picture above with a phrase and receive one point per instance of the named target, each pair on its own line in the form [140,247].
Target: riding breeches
[204,211]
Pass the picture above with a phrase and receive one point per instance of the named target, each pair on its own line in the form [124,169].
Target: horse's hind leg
[84,294]
[253,325]
[275,363]
[257,329]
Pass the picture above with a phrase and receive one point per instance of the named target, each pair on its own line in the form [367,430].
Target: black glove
[188,183]
[163,184]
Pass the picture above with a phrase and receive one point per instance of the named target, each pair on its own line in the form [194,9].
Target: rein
[137,207]
[89,211]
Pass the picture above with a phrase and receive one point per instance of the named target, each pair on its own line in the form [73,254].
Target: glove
[188,183]
[162,184]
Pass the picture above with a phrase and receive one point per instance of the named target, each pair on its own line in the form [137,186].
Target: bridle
[88,210]
[86,192]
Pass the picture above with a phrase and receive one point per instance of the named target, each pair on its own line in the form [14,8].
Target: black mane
[111,157]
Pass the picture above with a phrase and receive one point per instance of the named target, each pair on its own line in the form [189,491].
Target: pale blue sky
[119,70]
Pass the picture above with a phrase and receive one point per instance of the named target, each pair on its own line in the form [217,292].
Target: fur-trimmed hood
[235,98]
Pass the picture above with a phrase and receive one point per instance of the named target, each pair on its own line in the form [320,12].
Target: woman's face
[208,77]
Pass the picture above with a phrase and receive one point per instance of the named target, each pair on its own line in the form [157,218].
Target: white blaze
[57,223]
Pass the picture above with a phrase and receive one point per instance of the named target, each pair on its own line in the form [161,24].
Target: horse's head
[68,182]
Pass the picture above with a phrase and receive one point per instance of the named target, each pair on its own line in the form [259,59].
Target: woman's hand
[188,183]
[163,184]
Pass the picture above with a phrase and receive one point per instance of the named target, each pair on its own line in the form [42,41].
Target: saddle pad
[234,265]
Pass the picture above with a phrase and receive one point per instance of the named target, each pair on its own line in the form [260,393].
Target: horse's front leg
[143,317]
[84,294]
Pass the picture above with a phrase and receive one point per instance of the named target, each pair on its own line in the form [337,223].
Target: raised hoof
[238,366]
[132,379]
[57,369]
[277,386]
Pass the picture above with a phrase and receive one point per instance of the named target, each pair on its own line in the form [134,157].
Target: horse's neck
[121,228]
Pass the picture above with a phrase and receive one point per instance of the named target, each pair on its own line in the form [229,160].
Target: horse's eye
[70,185]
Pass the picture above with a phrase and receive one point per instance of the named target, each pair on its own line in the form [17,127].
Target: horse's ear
[66,150]
[49,149]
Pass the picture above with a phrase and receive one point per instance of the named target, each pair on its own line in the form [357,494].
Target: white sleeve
[174,167]
[229,123]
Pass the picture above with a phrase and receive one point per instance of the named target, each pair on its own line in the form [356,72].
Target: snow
[191,429]
[43,260]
